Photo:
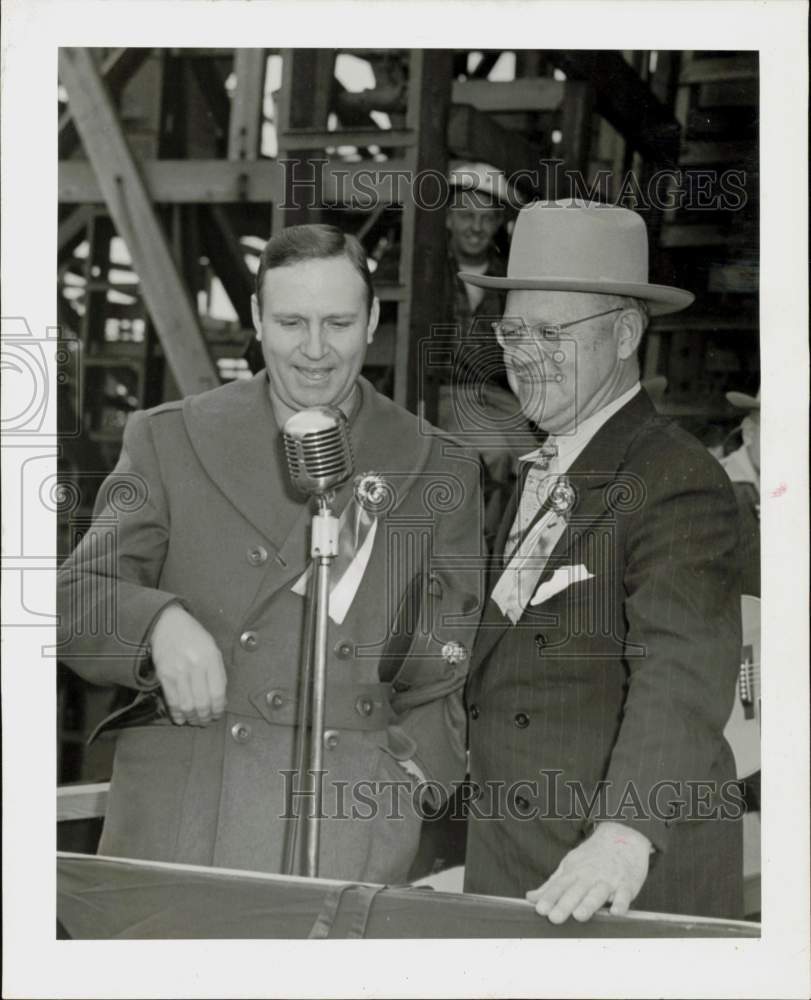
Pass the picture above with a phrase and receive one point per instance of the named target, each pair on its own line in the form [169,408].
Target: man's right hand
[189,667]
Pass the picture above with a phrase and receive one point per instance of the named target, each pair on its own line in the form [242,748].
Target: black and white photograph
[393,550]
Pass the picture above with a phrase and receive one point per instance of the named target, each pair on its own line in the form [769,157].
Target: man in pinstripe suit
[605,666]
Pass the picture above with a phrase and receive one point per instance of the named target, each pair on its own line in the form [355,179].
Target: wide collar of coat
[592,472]
[234,433]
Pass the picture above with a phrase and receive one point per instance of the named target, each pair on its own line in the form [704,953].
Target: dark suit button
[522,803]
[275,699]
[258,555]
[248,641]
[540,641]
[474,711]
[521,720]
[343,649]
[241,732]
[364,706]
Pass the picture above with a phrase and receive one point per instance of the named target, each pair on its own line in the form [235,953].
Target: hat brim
[741,401]
[661,299]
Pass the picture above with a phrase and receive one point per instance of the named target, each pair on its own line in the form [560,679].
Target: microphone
[318,450]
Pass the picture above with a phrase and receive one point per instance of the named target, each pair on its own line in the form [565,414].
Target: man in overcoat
[189,589]
[605,666]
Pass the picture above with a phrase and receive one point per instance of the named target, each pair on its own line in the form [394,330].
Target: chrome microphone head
[319,453]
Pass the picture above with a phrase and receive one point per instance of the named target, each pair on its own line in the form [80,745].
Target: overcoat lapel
[235,435]
[590,474]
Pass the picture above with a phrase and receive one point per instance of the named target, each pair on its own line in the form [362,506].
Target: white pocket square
[560,580]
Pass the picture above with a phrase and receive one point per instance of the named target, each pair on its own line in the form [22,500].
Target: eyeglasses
[514,332]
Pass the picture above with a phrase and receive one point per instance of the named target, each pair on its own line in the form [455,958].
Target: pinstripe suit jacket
[620,685]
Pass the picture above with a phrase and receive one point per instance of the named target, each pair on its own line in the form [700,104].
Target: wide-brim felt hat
[743,401]
[576,246]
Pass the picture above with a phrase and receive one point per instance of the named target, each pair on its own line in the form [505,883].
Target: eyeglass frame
[528,331]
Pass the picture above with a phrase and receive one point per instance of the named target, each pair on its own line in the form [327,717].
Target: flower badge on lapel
[372,492]
[563,496]
[454,652]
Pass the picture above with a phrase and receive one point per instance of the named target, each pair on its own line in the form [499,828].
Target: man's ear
[256,315]
[629,333]
[374,319]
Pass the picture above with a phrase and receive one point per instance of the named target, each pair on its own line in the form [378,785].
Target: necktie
[517,583]
[537,486]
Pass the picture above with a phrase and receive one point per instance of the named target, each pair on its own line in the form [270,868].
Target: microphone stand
[323,549]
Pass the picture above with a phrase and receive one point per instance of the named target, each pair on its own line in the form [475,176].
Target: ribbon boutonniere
[357,527]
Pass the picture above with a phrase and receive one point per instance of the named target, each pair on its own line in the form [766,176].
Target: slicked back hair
[313,242]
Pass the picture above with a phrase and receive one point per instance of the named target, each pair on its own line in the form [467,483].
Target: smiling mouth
[314,374]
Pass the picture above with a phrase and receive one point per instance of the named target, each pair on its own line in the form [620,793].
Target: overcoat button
[258,555]
[474,711]
[540,641]
[364,706]
[248,641]
[241,732]
[521,720]
[331,738]
[343,650]
[275,699]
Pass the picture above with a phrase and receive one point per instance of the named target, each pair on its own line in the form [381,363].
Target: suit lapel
[596,467]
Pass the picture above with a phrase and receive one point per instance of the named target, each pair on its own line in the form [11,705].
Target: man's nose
[314,345]
[477,224]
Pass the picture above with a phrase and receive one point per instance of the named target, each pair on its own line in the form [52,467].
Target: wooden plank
[729,94]
[624,100]
[473,135]
[117,69]
[532,94]
[244,129]
[702,322]
[308,88]
[575,125]
[423,262]
[739,67]
[128,200]
[676,236]
[304,139]
[737,279]
[81,801]
[182,181]
[225,252]
[695,153]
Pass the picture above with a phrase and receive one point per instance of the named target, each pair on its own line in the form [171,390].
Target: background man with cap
[605,665]
[478,403]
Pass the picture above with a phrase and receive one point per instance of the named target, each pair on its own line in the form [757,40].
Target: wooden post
[131,208]
[423,243]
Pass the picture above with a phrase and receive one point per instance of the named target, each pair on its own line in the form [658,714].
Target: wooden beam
[529,94]
[729,94]
[740,67]
[575,125]
[625,101]
[117,70]
[675,236]
[72,228]
[131,208]
[182,181]
[225,252]
[84,801]
[423,261]
[473,135]
[244,131]
[696,153]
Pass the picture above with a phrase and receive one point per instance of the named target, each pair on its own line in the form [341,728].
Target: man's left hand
[611,866]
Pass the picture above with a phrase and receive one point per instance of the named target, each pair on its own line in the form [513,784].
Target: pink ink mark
[781,489]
